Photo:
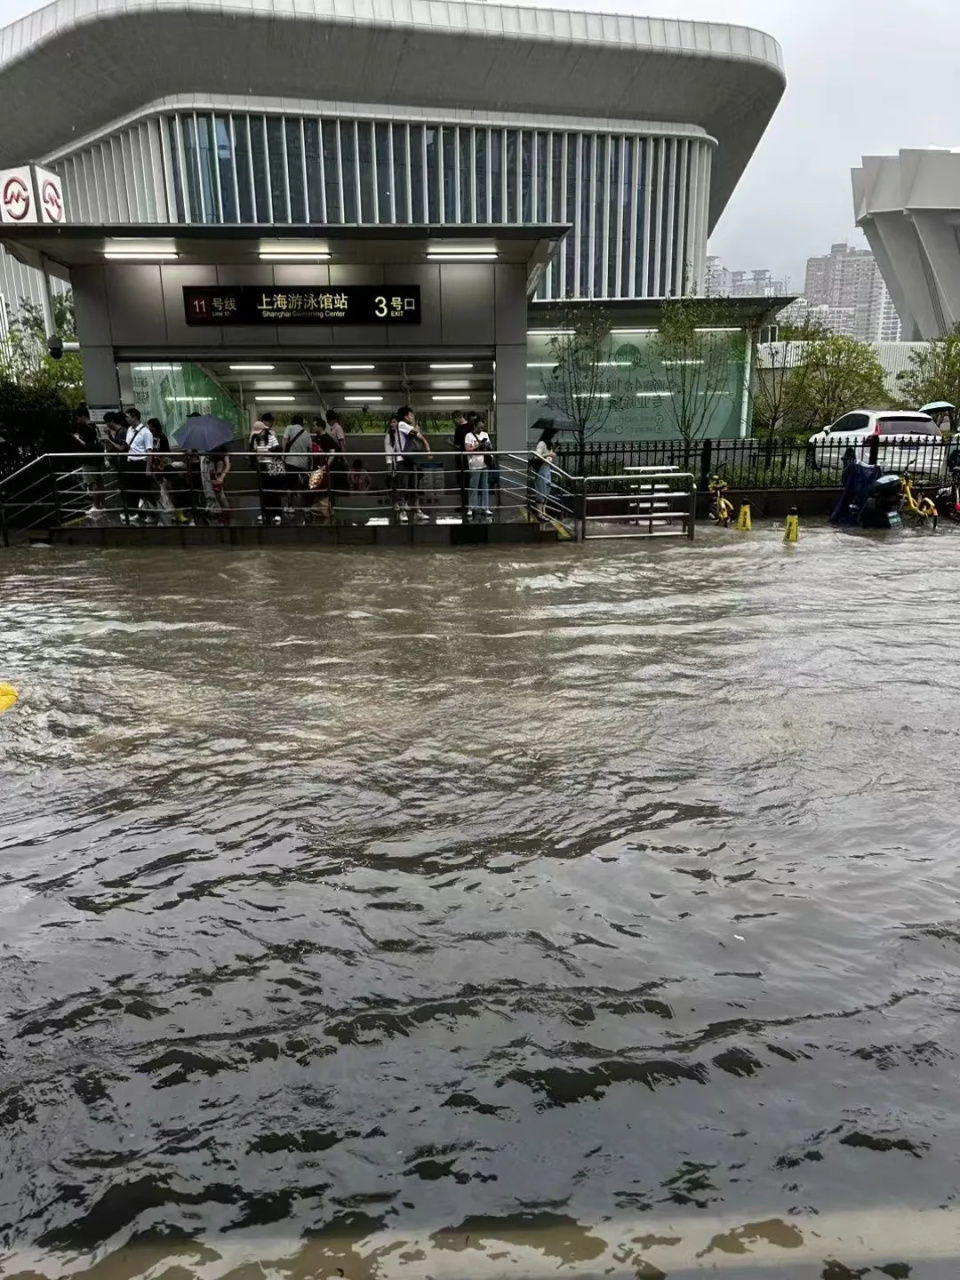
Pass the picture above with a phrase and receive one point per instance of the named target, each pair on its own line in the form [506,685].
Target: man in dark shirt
[461,429]
[86,439]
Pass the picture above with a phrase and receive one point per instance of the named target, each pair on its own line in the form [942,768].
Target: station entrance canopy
[302,302]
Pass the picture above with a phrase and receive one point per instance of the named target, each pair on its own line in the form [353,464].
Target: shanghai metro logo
[52,201]
[16,199]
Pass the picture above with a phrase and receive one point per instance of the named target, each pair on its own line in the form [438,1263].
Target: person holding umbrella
[210,437]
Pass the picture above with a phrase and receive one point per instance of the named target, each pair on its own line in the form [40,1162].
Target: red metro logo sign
[51,199]
[16,199]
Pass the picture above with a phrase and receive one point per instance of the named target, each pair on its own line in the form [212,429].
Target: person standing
[541,463]
[85,436]
[461,429]
[298,455]
[476,443]
[412,443]
[266,446]
[138,481]
[335,429]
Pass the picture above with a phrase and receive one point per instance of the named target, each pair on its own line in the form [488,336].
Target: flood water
[589,911]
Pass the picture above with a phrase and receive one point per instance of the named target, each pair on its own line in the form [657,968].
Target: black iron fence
[762,464]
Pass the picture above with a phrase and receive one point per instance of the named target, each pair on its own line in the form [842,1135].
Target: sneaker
[278,519]
[469,513]
[402,517]
[488,515]
[421,516]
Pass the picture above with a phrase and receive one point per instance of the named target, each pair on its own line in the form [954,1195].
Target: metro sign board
[17,201]
[49,193]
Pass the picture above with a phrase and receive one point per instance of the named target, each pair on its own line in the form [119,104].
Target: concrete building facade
[908,207]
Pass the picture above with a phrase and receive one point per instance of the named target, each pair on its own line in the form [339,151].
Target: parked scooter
[870,499]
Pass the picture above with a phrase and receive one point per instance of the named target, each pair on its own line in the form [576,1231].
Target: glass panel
[384,174]
[629,232]
[654,181]
[258,149]
[400,167]
[510,163]
[450,178]
[542,213]
[572,214]
[527,143]
[433,175]
[496,173]
[331,176]
[418,212]
[192,166]
[368,209]
[241,144]
[298,203]
[598,182]
[586,247]
[225,160]
[278,178]
[557,206]
[172,138]
[311,142]
[615,146]
[483,142]
[348,156]
[467,213]
[206,156]
[131,181]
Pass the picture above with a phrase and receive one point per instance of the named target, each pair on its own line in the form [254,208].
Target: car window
[851,422]
[846,423]
[908,427]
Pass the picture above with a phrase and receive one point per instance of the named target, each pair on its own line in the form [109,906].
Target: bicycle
[916,505]
[721,508]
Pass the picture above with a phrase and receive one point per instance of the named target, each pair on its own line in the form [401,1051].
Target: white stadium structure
[324,112]
[908,206]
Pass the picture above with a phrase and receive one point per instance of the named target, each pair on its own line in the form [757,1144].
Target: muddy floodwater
[575,911]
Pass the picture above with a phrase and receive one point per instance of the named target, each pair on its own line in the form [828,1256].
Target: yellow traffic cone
[743,518]
[8,696]
[792,531]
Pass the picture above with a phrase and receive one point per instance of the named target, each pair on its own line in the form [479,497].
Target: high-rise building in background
[720,282]
[845,292]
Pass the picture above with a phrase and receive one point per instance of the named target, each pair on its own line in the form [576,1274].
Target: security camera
[55,346]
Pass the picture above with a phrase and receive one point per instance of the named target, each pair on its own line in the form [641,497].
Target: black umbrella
[203,433]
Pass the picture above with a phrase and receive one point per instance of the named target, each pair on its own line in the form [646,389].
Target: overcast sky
[864,77]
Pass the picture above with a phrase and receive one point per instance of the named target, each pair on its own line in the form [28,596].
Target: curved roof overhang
[65,73]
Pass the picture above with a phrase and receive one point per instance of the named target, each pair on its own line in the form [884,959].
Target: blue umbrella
[203,433]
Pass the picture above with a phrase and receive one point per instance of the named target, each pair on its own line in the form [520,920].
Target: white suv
[894,439]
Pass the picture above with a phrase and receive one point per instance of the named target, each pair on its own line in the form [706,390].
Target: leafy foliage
[24,358]
[836,375]
[698,353]
[780,373]
[934,373]
[581,388]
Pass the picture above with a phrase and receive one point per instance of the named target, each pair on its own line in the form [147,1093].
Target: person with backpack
[298,455]
[410,443]
[476,445]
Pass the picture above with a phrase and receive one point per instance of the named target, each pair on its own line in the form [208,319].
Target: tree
[699,353]
[780,374]
[839,374]
[934,373]
[582,387]
[24,358]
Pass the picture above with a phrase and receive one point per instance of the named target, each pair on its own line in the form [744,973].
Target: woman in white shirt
[475,444]
[264,443]
[541,463]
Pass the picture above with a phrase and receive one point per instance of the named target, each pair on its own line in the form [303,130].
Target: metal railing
[654,502]
[89,490]
[756,464]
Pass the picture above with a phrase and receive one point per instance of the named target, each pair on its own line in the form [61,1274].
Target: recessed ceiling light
[253,368]
[353,366]
[275,399]
[449,399]
[450,385]
[451,366]
[363,399]
[467,255]
[560,333]
[140,255]
[157,368]
[293,253]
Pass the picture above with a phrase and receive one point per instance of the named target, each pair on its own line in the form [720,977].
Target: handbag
[536,462]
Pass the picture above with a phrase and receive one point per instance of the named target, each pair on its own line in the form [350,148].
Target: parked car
[896,439]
